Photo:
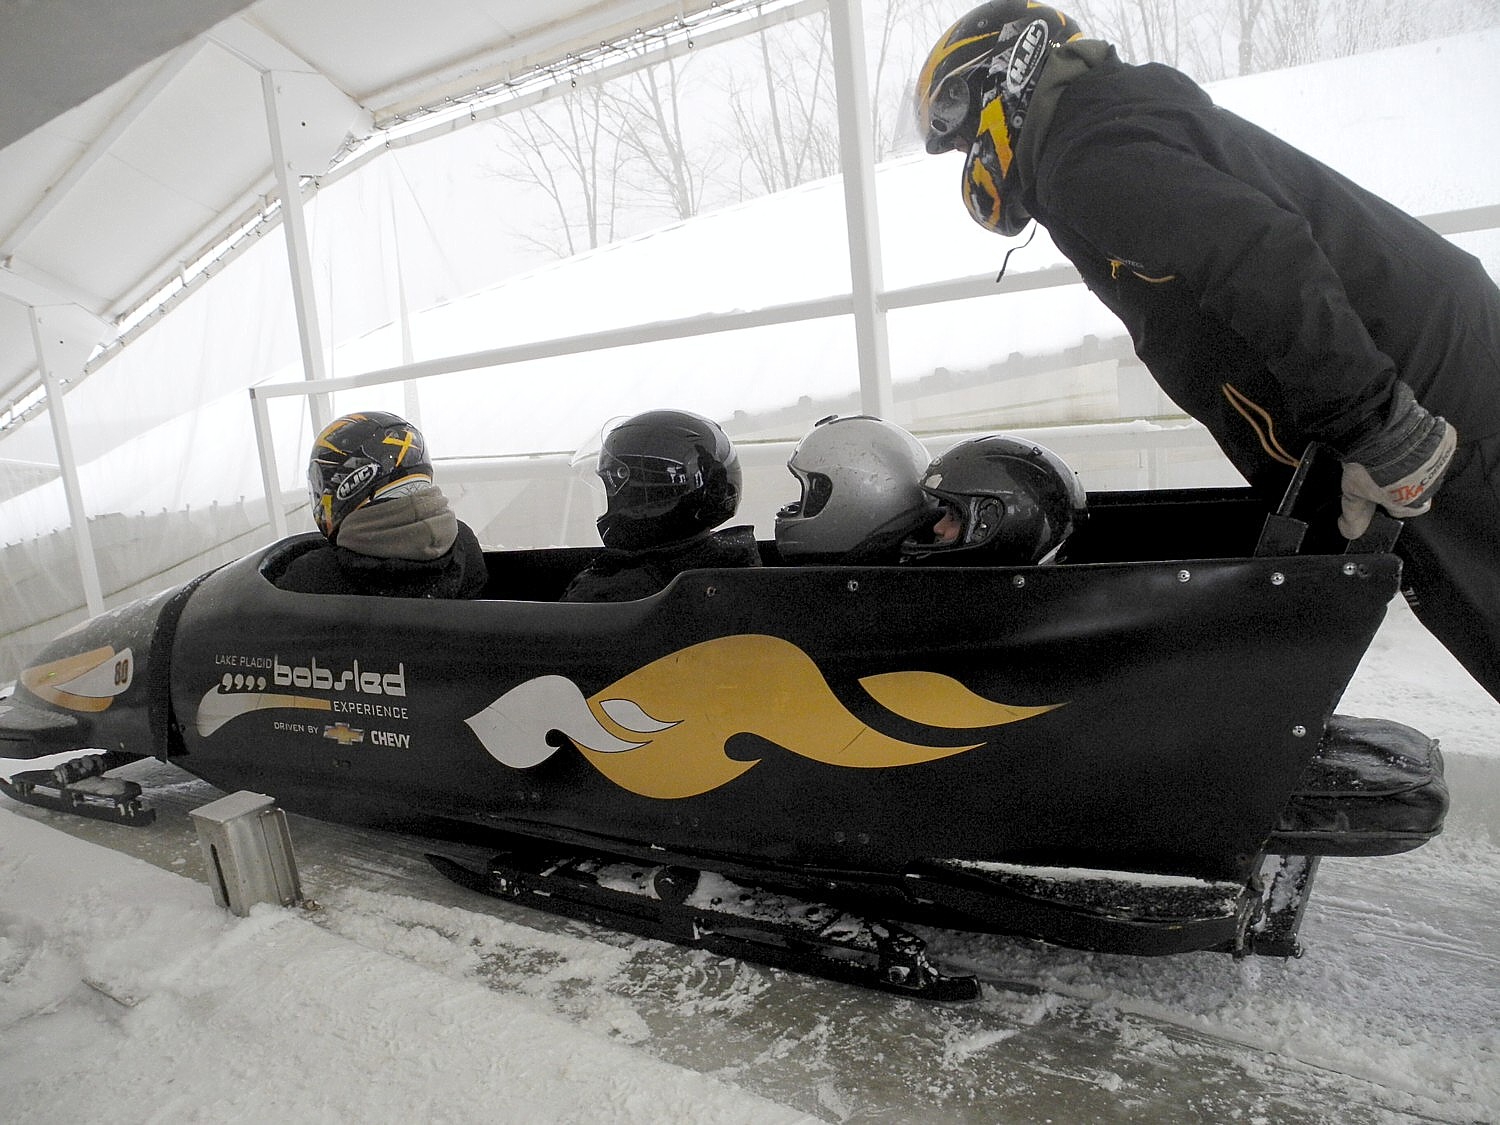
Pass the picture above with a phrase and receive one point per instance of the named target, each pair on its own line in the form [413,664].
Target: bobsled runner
[1133,750]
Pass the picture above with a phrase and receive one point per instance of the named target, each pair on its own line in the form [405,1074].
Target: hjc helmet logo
[1026,56]
[356,480]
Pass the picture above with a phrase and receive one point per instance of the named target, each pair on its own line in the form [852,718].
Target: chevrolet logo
[343,734]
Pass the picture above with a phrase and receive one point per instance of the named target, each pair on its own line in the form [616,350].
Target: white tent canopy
[134,135]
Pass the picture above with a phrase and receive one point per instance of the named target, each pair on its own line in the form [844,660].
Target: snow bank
[129,996]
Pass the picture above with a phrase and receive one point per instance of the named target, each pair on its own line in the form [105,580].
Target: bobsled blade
[702,910]
[99,798]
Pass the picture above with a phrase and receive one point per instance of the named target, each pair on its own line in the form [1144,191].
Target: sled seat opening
[274,565]
[541,574]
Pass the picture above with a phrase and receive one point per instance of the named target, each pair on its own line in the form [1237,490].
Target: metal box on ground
[248,852]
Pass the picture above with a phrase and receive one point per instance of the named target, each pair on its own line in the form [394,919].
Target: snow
[128,995]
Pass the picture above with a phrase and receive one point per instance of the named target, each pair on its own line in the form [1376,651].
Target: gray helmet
[861,492]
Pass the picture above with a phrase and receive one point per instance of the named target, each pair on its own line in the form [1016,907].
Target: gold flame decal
[661,730]
[941,701]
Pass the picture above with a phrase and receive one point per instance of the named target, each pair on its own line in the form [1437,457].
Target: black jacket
[330,569]
[622,576]
[1273,299]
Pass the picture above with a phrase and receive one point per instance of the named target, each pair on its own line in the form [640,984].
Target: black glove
[1398,467]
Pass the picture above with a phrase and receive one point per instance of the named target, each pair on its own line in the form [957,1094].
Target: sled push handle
[1311,500]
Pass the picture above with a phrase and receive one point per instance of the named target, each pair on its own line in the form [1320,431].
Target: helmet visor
[651,481]
[949,125]
[817,490]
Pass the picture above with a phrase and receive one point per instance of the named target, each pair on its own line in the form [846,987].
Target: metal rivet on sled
[1277,578]
[1299,731]
[1184,575]
[1350,569]
[853,585]
[1018,580]
[711,591]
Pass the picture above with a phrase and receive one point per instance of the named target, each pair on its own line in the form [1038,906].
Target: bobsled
[1133,750]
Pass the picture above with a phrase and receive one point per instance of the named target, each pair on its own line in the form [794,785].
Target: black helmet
[360,459]
[669,476]
[861,491]
[1015,502]
[973,92]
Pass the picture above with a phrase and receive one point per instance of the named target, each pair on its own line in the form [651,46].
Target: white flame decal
[514,727]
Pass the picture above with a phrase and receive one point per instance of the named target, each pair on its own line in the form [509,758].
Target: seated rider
[861,496]
[1004,502]
[389,528]
[670,477]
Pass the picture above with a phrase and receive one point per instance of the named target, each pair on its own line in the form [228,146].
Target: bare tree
[570,152]
[1288,33]
[1142,30]
[899,33]
[784,121]
[1267,34]
[670,173]
[762,117]
[1247,13]
[1367,25]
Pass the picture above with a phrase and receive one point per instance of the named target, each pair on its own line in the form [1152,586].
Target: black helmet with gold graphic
[973,92]
[362,458]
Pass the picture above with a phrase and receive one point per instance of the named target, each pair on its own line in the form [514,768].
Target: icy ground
[127,996]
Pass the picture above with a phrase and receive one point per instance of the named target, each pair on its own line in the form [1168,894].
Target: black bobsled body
[1100,753]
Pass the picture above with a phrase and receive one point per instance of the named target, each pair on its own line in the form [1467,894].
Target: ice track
[1390,1017]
